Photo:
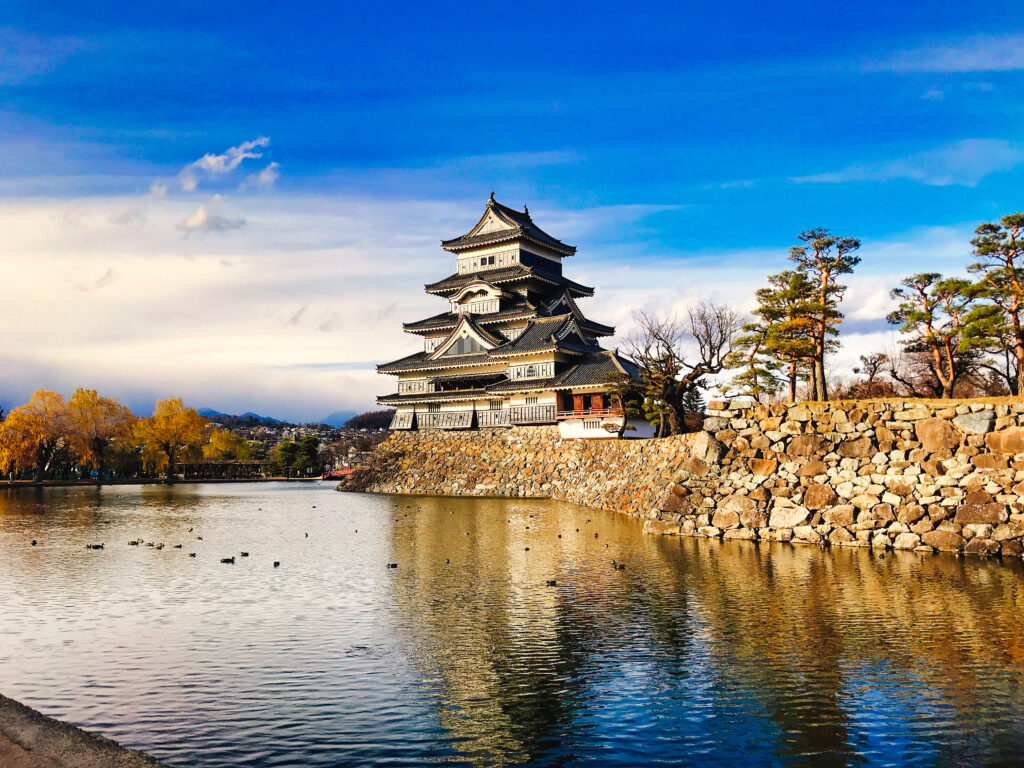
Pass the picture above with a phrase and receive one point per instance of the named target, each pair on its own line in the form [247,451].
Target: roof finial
[526,210]
[492,195]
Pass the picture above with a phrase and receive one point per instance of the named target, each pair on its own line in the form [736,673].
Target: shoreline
[30,739]
[151,481]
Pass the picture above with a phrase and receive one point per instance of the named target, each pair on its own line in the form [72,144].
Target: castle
[513,347]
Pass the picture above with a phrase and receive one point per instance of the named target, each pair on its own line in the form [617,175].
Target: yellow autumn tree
[173,433]
[33,434]
[226,445]
[98,425]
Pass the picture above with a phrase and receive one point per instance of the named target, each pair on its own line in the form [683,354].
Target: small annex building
[512,347]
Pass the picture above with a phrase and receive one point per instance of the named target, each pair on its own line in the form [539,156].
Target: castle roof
[500,224]
[591,370]
[513,273]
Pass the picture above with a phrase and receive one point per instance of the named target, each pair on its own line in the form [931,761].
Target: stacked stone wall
[912,475]
[626,476]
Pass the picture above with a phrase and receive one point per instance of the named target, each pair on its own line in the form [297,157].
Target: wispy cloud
[219,165]
[978,53]
[264,179]
[201,221]
[963,163]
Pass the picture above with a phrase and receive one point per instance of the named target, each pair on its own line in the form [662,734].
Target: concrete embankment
[29,739]
[912,475]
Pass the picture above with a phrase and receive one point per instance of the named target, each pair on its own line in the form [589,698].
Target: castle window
[494,405]
[531,401]
[433,407]
[531,371]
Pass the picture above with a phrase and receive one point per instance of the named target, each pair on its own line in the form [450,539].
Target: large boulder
[662,527]
[906,541]
[945,541]
[819,496]
[1009,440]
[706,448]
[936,435]
[979,513]
[980,546]
[861,448]
[806,445]
[844,514]
[978,423]
[725,518]
[763,467]
[788,517]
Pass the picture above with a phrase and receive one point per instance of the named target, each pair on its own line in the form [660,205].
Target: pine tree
[758,376]
[822,258]
[785,309]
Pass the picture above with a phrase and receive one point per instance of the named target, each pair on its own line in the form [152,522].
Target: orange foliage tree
[173,433]
[98,424]
[32,435]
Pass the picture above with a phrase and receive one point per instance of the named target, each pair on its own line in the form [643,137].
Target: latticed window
[433,407]
[494,405]
[531,401]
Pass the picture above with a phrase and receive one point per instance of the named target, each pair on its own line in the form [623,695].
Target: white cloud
[979,53]
[934,94]
[222,164]
[262,179]
[962,163]
[201,221]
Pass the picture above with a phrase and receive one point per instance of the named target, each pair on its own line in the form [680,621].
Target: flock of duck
[277,563]
[160,545]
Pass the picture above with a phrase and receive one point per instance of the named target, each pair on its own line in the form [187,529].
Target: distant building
[513,347]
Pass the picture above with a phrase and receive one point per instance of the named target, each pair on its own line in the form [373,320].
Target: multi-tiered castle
[513,347]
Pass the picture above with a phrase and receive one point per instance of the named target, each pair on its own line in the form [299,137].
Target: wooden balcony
[589,413]
[496,418]
[533,414]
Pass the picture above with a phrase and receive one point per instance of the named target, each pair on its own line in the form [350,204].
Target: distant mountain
[213,415]
[338,418]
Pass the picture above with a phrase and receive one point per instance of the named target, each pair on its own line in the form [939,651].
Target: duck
[228,560]
[552,583]
[133,543]
[244,554]
[160,545]
[199,538]
[191,554]
[34,542]
[177,546]
[189,530]
[277,563]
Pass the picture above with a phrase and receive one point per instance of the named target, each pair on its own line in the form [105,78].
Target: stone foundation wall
[622,475]
[926,476]
[921,476]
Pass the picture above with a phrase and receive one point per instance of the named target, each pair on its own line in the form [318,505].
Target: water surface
[696,653]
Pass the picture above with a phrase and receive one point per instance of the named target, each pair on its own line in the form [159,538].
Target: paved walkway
[29,739]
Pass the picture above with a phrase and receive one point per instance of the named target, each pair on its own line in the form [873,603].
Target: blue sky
[680,146]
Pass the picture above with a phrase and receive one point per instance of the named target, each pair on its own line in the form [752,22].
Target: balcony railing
[589,413]
[496,418]
[445,420]
[533,414]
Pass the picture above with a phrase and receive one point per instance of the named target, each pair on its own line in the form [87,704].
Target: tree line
[92,436]
[960,336]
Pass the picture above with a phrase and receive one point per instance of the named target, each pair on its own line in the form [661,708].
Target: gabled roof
[466,321]
[543,333]
[510,274]
[499,224]
[447,320]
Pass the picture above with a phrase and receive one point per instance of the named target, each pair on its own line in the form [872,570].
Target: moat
[643,650]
